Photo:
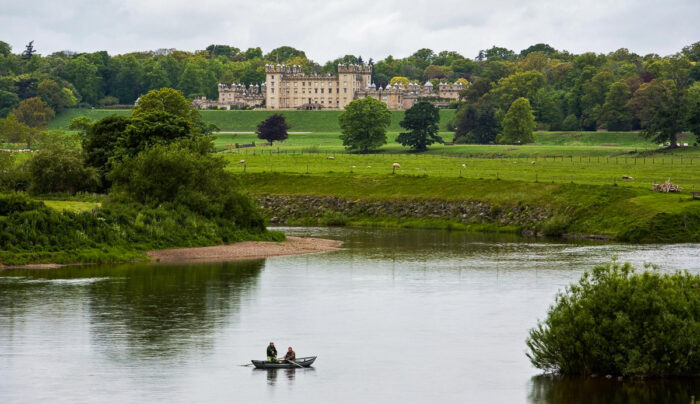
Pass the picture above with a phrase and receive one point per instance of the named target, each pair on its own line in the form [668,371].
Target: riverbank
[608,212]
[245,250]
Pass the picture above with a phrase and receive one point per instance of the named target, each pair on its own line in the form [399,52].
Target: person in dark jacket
[272,353]
[290,355]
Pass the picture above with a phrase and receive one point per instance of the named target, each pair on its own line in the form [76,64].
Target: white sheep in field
[331,158]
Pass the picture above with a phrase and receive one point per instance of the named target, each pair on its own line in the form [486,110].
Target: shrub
[621,322]
[175,174]
[60,169]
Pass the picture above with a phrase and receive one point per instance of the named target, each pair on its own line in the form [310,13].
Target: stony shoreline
[244,250]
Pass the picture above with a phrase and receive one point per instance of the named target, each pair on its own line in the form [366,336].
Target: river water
[394,317]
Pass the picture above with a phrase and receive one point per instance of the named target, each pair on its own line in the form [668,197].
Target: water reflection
[547,389]
[149,310]
[288,375]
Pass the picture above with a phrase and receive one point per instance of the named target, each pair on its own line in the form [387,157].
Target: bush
[60,169]
[176,174]
[571,123]
[620,322]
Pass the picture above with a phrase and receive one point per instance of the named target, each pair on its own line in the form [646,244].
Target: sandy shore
[246,250]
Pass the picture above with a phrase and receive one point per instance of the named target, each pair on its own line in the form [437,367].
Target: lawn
[247,121]
[577,169]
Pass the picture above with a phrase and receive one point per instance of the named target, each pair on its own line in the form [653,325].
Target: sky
[327,29]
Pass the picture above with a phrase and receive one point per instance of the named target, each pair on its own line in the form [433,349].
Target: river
[395,317]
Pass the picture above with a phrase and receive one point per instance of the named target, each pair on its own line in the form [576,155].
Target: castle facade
[287,88]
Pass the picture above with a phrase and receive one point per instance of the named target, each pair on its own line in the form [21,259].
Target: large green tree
[475,124]
[518,123]
[661,108]
[363,124]
[615,112]
[422,122]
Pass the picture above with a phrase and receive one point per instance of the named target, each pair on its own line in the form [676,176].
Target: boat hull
[282,364]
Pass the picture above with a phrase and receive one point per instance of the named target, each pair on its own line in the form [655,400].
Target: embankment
[558,210]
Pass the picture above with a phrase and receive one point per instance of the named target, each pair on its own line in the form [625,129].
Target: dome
[428,84]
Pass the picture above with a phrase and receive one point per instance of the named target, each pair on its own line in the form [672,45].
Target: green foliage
[422,121]
[615,112]
[475,124]
[176,175]
[58,168]
[622,322]
[571,123]
[273,129]
[516,86]
[693,111]
[518,123]
[166,100]
[100,140]
[118,231]
[363,124]
[34,112]
[661,110]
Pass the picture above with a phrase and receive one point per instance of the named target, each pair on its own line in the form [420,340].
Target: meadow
[247,121]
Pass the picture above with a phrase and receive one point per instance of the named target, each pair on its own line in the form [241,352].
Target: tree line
[615,91]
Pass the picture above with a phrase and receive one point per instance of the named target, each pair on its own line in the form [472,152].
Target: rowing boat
[283,364]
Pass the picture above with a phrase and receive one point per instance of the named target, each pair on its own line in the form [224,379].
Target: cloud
[326,29]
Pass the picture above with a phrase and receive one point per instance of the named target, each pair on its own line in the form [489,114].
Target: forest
[587,91]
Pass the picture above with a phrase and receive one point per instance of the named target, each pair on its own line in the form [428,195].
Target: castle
[286,87]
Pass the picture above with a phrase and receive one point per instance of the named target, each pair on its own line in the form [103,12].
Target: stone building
[289,88]
[236,96]
[286,87]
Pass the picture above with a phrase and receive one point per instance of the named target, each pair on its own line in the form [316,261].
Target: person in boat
[272,353]
[290,355]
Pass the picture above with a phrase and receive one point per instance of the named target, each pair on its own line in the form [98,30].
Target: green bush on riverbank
[30,232]
[621,322]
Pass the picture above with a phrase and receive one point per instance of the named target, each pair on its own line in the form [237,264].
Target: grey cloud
[326,29]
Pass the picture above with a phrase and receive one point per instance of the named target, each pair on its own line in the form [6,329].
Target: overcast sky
[326,29]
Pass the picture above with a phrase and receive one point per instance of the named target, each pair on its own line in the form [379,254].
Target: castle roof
[428,84]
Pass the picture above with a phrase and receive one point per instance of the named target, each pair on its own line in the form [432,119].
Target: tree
[166,100]
[518,123]
[55,96]
[363,124]
[515,86]
[60,169]
[540,47]
[176,174]
[618,321]
[615,112]
[660,107]
[5,49]
[14,131]
[8,101]
[100,140]
[34,112]
[273,128]
[148,129]
[422,122]
[475,124]
[693,108]
[281,54]
[399,80]
[28,51]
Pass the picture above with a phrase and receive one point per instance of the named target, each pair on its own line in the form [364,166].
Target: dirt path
[246,250]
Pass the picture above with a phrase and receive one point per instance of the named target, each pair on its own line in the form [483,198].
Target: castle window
[295,91]
[303,83]
[316,83]
[295,84]
[345,90]
[345,84]
[316,90]
[321,91]
[287,91]
[272,90]
[337,91]
[273,76]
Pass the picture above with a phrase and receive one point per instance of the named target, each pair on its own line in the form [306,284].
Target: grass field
[247,121]
[577,169]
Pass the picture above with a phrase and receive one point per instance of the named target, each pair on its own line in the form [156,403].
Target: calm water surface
[397,316]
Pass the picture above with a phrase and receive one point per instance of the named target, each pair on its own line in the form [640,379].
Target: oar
[288,360]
